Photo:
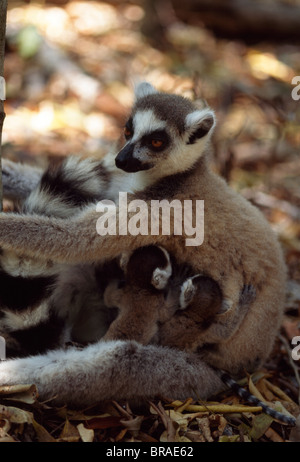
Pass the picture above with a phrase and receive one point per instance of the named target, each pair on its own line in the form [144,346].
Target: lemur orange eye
[127,132]
[156,143]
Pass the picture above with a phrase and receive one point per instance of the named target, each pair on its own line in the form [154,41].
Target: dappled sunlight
[80,63]
[265,65]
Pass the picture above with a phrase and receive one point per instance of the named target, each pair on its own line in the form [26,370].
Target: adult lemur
[165,157]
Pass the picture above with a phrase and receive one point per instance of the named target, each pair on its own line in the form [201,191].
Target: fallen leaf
[23,393]
[254,390]
[69,432]
[260,425]
[204,427]
[133,425]
[15,415]
[229,439]
[277,391]
[217,420]
[87,435]
[274,436]
[104,422]
[42,434]
[172,428]
[184,405]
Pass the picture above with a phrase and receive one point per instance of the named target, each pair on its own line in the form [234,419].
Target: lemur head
[165,133]
[148,267]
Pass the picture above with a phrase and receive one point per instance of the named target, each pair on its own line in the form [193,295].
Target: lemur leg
[138,315]
[19,179]
[113,370]
[224,327]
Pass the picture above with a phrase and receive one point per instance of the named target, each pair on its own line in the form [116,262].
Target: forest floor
[70,71]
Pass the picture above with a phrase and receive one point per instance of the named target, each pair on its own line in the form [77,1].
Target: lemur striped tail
[232,384]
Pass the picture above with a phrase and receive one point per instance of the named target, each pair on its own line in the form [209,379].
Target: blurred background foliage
[70,68]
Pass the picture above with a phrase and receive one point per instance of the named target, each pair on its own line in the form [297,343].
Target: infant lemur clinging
[165,156]
[153,288]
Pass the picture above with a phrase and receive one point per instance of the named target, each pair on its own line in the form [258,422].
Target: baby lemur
[154,288]
[165,157]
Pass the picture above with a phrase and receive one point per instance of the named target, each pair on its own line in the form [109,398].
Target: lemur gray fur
[36,295]
[165,157]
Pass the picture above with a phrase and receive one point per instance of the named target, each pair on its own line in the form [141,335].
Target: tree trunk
[3,11]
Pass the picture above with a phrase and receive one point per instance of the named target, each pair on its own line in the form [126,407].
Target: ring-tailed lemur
[165,157]
[41,301]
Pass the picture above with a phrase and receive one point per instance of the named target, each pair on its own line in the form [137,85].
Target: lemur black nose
[124,156]
[127,162]
[120,163]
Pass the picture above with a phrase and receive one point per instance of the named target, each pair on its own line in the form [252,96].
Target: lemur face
[164,132]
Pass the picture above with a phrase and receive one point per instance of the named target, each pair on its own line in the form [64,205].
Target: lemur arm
[71,240]
[19,179]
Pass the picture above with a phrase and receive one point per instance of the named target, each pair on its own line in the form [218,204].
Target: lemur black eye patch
[156,135]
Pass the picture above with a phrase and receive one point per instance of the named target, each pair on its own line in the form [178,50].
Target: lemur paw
[248,295]
[187,293]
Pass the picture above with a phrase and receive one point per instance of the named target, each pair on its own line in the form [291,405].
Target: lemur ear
[144,89]
[199,123]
